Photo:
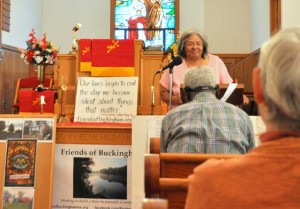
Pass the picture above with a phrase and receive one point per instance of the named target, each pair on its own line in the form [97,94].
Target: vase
[41,74]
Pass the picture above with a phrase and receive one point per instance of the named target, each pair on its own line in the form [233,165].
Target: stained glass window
[153,21]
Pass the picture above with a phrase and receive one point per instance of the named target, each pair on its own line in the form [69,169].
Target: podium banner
[90,177]
[30,101]
[107,57]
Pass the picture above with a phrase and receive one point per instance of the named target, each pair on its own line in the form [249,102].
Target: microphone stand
[171,87]
[152,94]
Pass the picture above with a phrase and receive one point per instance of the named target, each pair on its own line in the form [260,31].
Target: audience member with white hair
[205,124]
[268,176]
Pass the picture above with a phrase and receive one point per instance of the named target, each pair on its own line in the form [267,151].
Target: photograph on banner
[20,162]
[41,129]
[106,99]
[88,175]
[32,128]
[11,128]
[18,198]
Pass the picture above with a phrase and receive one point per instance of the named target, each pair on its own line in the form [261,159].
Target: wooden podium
[236,98]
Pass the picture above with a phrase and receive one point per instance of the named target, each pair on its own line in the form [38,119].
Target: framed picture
[156,22]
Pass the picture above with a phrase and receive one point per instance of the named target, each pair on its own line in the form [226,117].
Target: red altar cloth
[30,101]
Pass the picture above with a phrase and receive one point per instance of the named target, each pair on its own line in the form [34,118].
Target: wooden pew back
[166,175]
[154,145]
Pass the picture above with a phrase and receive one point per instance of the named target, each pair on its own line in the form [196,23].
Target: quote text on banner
[106,99]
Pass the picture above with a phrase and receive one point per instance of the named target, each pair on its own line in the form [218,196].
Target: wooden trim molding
[275,16]
[6,15]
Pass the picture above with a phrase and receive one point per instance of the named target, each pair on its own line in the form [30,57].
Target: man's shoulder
[236,109]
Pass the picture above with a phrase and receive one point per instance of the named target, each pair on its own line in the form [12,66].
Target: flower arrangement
[39,51]
[171,52]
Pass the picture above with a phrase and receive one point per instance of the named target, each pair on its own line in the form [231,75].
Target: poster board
[88,176]
[39,128]
[106,99]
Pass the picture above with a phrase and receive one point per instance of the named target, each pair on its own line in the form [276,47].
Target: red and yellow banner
[107,57]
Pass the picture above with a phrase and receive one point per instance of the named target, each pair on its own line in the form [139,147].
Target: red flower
[54,54]
[43,42]
[30,55]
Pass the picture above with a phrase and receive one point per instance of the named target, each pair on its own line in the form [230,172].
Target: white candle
[43,100]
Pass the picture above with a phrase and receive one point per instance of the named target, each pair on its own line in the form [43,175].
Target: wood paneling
[104,135]
[12,67]
[150,64]
[240,67]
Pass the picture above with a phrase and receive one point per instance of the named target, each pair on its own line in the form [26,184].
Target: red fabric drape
[30,101]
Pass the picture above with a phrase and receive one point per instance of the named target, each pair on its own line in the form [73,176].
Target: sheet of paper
[231,87]
[142,128]
[154,127]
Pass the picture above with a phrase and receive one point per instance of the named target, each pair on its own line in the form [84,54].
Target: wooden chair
[166,175]
[28,83]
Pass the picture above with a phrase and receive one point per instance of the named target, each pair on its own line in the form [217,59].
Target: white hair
[280,77]
[200,76]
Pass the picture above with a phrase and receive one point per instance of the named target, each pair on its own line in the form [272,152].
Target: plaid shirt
[207,125]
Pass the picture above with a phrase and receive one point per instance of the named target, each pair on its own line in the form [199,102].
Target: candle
[43,100]
[62,79]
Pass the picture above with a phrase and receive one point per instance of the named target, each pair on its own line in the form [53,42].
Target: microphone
[176,61]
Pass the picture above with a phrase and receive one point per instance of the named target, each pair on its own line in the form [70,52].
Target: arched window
[153,21]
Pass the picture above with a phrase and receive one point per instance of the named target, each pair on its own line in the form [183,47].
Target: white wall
[191,15]
[228,27]
[260,23]
[25,15]
[290,16]
[61,16]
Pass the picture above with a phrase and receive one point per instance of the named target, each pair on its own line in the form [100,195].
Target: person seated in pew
[268,176]
[205,124]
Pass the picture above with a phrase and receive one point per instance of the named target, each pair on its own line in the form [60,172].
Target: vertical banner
[106,99]
[20,162]
[91,177]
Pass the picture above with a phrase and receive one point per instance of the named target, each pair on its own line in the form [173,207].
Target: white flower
[38,59]
[37,53]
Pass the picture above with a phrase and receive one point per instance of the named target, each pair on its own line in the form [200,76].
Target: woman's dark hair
[181,44]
